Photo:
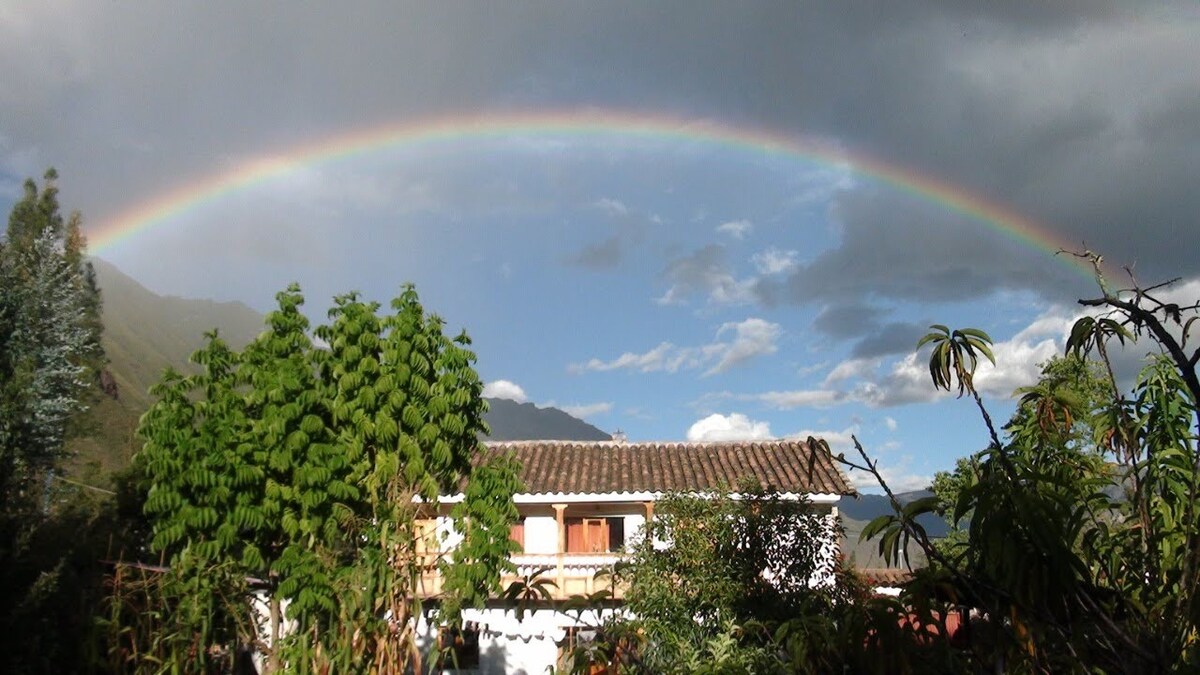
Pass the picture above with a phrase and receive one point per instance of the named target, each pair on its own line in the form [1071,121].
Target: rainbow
[596,124]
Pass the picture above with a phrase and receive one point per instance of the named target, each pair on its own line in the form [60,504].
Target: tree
[308,468]
[745,583]
[49,337]
[715,565]
[50,540]
[1062,410]
[1085,551]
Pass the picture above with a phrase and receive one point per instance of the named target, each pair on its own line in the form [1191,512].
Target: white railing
[573,564]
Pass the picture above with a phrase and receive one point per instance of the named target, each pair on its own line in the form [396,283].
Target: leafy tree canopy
[309,467]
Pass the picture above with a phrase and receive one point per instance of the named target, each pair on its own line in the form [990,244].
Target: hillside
[512,421]
[866,507]
[858,511]
[144,333]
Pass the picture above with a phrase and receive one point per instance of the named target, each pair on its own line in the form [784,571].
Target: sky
[681,220]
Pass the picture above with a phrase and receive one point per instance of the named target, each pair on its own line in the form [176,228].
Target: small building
[586,501]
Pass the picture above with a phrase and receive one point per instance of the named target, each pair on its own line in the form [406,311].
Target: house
[585,501]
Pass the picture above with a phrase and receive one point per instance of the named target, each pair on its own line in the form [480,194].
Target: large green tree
[51,539]
[308,468]
[49,340]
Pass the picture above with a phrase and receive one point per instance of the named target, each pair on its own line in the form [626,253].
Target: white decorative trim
[629,497]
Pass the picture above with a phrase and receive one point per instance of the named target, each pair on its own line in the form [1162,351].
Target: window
[517,533]
[595,535]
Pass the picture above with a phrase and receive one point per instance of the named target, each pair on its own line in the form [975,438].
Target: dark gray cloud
[895,337]
[705,272]
[861,322]
[903,250]
[1079,115]
[847,320]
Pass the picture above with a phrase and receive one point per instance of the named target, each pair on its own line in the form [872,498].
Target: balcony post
[562,545]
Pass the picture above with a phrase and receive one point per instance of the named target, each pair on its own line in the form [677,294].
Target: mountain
[512,421]
[868,507]
[857,511]
[144,333]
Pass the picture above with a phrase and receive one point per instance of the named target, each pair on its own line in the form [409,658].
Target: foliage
[49,337]
[52,535]
[956,355]
[308,469]
[745,583]
[1057,418]
[1083,546]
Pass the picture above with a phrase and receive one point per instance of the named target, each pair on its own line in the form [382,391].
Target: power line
[83,485]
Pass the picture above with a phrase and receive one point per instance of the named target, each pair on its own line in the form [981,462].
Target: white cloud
[1017,365]
[665,357]
[839,441]
[850,369]
[745,340]
[899,476]
[752,337]
[813,398]
[585,410]
[704,271]
[723,289]
[774,261]
[505,389]
[906,380]
[613,207]
[738,229]
[890,423]
[732,427]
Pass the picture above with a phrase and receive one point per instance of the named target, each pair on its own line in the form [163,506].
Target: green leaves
[956,355]
[1090,333]
[310,467]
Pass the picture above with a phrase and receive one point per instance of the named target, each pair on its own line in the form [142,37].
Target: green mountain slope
[144,333]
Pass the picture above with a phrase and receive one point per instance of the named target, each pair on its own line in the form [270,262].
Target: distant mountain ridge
[856,512]
[512,421]
[145,333]
[866,508]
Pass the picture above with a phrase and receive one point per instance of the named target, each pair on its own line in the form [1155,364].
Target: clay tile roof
[554,467]
[889,577]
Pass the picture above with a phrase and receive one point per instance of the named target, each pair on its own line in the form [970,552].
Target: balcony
[572,573]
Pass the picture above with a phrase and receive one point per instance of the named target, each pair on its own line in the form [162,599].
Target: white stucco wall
[528,647]
[541,534]
[633,529]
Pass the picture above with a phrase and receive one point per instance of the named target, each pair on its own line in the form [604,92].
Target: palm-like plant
[956,355]
[954,360]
